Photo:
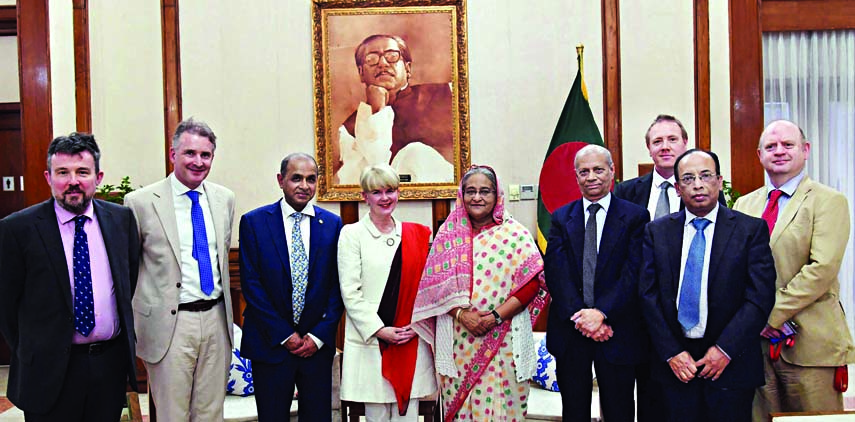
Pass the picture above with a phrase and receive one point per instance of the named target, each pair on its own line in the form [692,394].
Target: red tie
[770,214]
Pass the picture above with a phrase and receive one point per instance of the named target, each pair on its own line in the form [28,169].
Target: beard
[70,205]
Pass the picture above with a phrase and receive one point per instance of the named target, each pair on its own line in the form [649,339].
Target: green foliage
[730,194]
[115,193]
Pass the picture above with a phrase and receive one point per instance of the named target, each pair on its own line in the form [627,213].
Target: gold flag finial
[580,49]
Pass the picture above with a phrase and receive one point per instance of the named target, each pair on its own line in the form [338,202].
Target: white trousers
[382,412]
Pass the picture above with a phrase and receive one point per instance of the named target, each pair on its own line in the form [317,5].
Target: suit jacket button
[178,285]
[173,312]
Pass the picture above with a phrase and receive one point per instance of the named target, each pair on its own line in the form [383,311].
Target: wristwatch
[496,315]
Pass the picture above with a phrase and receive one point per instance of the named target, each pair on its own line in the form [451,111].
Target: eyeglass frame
[482,192]
[384,55]
[705,178]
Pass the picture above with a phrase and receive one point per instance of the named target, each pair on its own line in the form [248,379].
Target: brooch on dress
[390,241]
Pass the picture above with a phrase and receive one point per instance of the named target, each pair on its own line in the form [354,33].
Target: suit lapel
[315,227]
[276,228]
[721,237]
[217,203]
[612,231]
[646,187]
[786,215]
[674,234]
[109,232]
[49,231]
[164,207]
[576,233]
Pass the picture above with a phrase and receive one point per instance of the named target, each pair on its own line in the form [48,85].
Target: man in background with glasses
[707,286]
[809,227]
[406,125]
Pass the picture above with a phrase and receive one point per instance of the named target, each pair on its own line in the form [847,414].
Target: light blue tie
[299,268]
[200,245]
[688,312]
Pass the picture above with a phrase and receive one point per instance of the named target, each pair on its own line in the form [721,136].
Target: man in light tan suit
[182,309]
[809,224]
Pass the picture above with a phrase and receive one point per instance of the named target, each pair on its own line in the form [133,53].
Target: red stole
[399,361]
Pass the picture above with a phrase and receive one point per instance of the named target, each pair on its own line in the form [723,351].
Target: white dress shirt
[191,289]
[655,190]
[305,225]
[688,234]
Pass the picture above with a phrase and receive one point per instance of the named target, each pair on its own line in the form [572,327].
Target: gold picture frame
[430,108]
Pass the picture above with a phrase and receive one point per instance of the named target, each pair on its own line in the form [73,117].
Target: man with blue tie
[705,305]
[68,268]
[289,278]
[182,305]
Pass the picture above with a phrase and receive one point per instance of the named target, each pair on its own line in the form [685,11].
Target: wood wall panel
[746,94]
[792,15]
[171,74]
[36,114]
[612,131]
[82,85]
[8,21]
[702,74]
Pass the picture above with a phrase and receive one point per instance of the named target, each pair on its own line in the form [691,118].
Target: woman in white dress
[380,261]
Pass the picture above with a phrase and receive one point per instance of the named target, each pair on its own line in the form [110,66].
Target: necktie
[770,214]
[84,303]
[299,267]
[663,206]
[589,256]
[688,312]
[200,245]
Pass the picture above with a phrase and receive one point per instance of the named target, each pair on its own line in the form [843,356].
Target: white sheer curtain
[810,79]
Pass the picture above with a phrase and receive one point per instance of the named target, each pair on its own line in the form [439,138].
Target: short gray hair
[194,127]
[802,136]
[593,149]
[479,170]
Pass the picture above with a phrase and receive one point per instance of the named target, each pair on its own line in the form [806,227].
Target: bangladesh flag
[576,128]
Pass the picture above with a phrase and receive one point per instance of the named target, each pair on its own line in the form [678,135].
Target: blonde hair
[378,176]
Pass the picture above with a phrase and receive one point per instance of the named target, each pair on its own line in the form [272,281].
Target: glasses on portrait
[391,56]
[705,178]
[470,193]
[599,171]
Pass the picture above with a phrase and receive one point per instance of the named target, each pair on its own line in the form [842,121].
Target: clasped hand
[591,323]
[395,335]
[477,322]
[302,346]
[685,368]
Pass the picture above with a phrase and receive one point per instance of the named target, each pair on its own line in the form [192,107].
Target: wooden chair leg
[134,411]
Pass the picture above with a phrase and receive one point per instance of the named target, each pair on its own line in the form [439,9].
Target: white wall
[63,108]
[246,70]
[127,89]
[657,72]
[9,82]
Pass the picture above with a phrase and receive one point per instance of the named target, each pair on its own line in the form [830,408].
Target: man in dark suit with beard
[68,269]
[705,305]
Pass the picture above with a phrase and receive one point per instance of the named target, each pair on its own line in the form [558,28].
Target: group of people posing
[708,311]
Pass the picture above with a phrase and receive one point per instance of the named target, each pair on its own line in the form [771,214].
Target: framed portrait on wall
[390,86]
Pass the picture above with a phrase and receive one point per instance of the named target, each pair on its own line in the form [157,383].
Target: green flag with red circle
[576,128]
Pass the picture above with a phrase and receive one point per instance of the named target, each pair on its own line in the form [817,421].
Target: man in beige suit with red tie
[809,225]
[182,307]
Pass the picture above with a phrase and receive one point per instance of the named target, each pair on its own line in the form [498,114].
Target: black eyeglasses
[391,56]
[689,179]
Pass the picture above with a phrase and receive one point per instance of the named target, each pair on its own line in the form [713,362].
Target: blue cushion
[240,371]
[545,376]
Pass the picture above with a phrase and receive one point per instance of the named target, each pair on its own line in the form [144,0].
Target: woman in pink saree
[481,292]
